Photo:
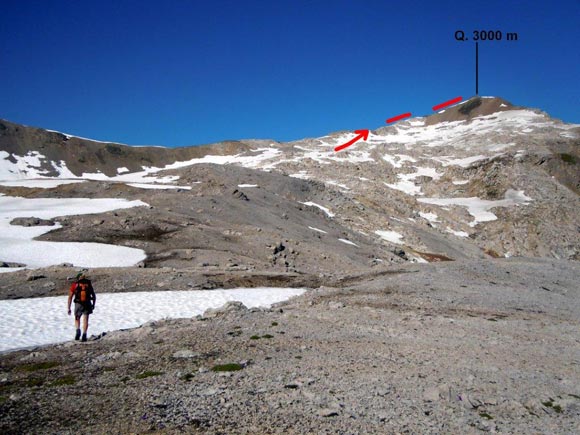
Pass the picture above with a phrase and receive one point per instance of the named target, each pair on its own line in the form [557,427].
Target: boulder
[229,307]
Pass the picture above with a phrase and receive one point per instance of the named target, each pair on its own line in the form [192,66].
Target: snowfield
[17,244]
[41,321]
[480,208]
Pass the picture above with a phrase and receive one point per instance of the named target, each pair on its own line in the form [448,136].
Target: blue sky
[180,73]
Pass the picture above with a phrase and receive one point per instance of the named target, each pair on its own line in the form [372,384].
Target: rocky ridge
[425,183]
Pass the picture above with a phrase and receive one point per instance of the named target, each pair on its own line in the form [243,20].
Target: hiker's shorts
[81,309]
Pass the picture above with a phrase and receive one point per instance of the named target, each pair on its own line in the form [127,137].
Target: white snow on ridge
[461,134]
[245,161]
[324,209]
[337,184]
[431,217]
[464,163]
[28,166]
[69,136]
[318,230]
[397,160]
[158,186]
[247,185]
[390,236]
[17,244]
[348,242]
[407,184]
[457,233]
[146,177]
[41,321]
[479,208]
[303,175]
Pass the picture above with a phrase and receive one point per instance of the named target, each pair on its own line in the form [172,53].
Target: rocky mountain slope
[483,339]
[482,178]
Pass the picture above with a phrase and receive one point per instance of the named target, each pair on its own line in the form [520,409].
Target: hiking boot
[78,334]
[84,337]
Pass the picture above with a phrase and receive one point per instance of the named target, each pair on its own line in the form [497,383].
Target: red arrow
[362,134]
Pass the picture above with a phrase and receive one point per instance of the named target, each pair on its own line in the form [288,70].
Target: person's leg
[85,326]
[77,327]
[78,313]
[85,323]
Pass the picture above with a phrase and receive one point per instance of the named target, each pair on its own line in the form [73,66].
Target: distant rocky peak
[474,107]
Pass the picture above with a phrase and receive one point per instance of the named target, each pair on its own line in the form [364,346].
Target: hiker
[85,299]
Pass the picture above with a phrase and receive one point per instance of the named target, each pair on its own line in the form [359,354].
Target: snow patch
[319,230]
[479,208]
[397,160]
[407,184]
[431,217]
[335,183]
[457,233]
[324,209]
[157,186]
[22,326]
[303,175]
[464,163]
[17,244]
[348,242]
[390,236]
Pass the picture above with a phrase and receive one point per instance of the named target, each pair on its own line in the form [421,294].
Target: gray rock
[185,353]
[229,307]
[9,264]
[240,195]
[32,222]
[328,412]
[431,394]
[33,276]
[279,248]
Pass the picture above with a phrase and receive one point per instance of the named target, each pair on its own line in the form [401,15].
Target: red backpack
[84,292]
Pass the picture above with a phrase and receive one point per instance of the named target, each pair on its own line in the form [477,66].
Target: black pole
[477,68]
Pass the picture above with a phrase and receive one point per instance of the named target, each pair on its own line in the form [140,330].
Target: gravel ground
[463,347]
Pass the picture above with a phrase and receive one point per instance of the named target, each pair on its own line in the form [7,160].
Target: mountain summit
[472,108]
